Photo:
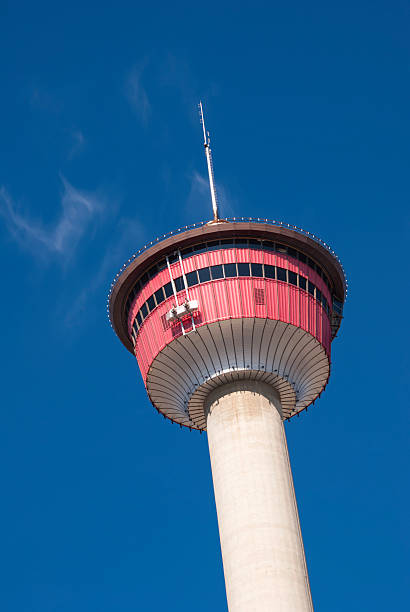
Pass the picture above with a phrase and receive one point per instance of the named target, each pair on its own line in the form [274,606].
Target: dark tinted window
[302,257]
[139,318]
[144,311]
[310,263]
[292,252]
[199,248]
[179,283]
[268,245]
[241,243]
[204,275]
[302,282]
[230,270]
[337,306]
[243,269]
[214,245]
[162,265]
[269,271]
[151,302]
[281,272]
[318,294]
[227,244]
[153,271]
[159,296]
[217,272]
[144,279]
[311,288]
[281,248]
[168,290]
[293,277]
[192,278]
[254,244]
[173,258]
[187,252]
[256,269]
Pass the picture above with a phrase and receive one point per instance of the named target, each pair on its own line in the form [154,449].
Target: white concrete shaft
[262,549]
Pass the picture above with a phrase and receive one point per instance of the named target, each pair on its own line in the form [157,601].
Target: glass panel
[139,318]
[281,248]
[257,270]
[159,296]
[302,282]
[310,263]
[144,310]
[292,252]
[173,258]
[318,294]
[227,244]
[199,248]
[230,270]
[269,271]
[311,288]
[168,290]
[144,280]
[337,306]
[153,271]
[187,252]
[268,245]
[217,272]
[254,244]
[151,303]
[243,269]
[192,278]
[179,283]
[214,245]
[281,272]
[241,243]
[162,265]
[204,275]
[302,257]
[293,277]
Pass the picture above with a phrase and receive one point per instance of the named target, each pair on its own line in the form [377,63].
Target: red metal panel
[294,305]
[215,258]
[201,261]
[293,264]
[272,299]
[189,264]
[281,260]
[235,303]
[248,300]
[304,269]
[304,310]
[242,255]
[255,255]
[270,258]
[318,308]
[283,301]
[221,299]
[140,355]
[207,305]
[312,316]
[260,308]
[229,255]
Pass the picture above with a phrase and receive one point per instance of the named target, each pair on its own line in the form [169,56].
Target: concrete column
[262,549]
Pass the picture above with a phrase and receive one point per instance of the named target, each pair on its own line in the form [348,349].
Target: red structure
[230,300]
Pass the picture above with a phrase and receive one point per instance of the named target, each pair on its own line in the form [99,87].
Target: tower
[231,322]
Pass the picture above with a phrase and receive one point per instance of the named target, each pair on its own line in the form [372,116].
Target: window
[144,279]
[168,290]
[311,288]
[199,248]
[139,318]
[269,271]
[292,252]
[310,263]
[214,245]
[204,275]
[162,265]
[281,248]
[179,283]
[144,310]
[159,296]
[281,272]
[318,294]
[217,272]
[241,243]
[337,306]
[254,244]
[293,277]
[187,252]
[302,257]
[257,270]
[268,245]
[243,269]
[173,258]
[230,270]
[152,271]
[227,244]
[151,303]
[302,282]
[192,278]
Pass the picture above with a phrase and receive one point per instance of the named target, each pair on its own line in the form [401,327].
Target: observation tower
[231,322]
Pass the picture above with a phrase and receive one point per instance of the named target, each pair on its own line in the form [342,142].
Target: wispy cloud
[137,94]
[77,143]
[199,197]
[78,210]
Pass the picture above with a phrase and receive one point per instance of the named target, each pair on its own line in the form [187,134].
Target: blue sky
[106,506]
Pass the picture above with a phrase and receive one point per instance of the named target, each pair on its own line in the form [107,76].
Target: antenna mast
[210,165]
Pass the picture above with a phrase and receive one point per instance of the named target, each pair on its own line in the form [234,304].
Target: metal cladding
[230,301]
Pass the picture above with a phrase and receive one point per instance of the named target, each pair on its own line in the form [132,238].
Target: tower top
[208,155]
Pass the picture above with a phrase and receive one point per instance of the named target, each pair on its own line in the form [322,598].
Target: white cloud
[199,197]
[137,94]
[78,210]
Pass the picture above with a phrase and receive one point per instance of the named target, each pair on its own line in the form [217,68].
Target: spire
[210,165]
